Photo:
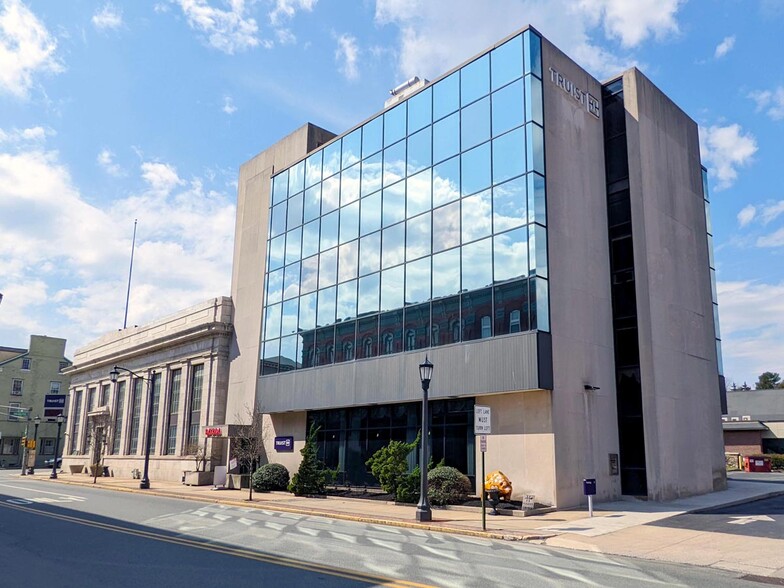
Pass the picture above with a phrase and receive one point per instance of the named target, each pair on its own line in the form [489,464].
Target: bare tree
[199,454]
[248,444]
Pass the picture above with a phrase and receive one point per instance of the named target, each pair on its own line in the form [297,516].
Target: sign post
[482,428]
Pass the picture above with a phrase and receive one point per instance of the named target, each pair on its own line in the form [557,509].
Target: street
[81,536]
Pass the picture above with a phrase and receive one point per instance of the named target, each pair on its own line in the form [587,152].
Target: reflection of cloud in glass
[477,264]
[328,268]
[446,273]
[313,169]
[418,237]
[332,159]
[326,307]
[392,288]
[310,239]
[393,245]
[370,253]
[272,322]
[418,281]
[368,294]
[476,216]
[394,203]
[274,286]
[446,187]
[347,300]
[351,148]
[509,205]
[446,227]
[307,312]
[394,164]
[330,194]
[349,185]
[291,281]
[289,320]
[371,174]
[297,178]
[418,193]
[510,255]
[309,274]
[347,261]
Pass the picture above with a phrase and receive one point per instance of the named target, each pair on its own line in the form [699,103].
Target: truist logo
[591,104]
[213,432]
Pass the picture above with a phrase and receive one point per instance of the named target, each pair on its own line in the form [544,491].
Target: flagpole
[130,273]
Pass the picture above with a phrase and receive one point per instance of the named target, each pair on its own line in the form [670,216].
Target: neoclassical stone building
[182,361]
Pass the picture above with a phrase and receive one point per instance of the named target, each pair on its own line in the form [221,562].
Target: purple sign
[54,405]
[284,444]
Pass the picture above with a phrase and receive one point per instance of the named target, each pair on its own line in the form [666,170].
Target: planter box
[236,481]
[198,478]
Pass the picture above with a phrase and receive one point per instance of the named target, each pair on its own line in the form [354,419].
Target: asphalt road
[80,536]
[761,518]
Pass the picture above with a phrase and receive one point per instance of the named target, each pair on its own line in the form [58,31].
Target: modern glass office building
[541,236]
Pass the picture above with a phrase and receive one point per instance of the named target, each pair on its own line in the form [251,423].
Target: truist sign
[590,103]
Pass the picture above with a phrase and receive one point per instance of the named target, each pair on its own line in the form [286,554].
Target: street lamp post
[423,512]
[60,420]
[145,482]
[37,421]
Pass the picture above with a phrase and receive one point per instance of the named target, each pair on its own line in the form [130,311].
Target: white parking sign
[482,420]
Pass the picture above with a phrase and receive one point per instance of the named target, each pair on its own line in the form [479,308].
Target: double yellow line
[235,551]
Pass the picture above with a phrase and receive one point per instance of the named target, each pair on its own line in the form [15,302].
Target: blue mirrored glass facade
[426,226]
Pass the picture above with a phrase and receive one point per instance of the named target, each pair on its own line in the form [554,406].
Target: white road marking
[440,552]
[246,521]
[275,526]
[25,488]
[386,544]
[751,519]
[343,537]
[221,517]
[308,531]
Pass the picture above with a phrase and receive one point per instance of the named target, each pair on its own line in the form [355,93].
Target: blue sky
[123,110]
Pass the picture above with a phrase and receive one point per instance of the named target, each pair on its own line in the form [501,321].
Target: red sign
[213,432]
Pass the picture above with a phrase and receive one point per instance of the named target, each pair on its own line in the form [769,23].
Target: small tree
[768,381]
[313,475]
[389,464]
[199,454]
[249,442]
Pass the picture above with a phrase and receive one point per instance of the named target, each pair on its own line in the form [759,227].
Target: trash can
[756,463]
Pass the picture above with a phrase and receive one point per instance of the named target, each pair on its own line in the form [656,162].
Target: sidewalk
[618,528]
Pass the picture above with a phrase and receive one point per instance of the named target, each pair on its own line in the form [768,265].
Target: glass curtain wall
[424,227]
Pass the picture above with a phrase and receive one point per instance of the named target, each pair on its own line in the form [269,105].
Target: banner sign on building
[54,406]
[284,444]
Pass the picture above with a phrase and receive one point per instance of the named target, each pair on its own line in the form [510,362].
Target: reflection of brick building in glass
[511,220]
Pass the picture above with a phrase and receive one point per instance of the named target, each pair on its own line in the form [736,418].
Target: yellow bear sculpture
[498,481]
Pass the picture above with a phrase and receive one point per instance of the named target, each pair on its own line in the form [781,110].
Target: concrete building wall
[46,356]
[584,423]
[195,336]
[250,259]
[681,399]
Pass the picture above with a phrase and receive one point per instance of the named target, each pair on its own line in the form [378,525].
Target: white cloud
[22,136]
[775,239]
[108,17]
[436,35]
[106,160]
[64,261]
[724,150]
[746,215]
[161,177]
[286,9]
[752,320]
[285,36]
[346,55]
[228,105]
[724,47]
[228,31]
[772,211]
[770,101]
[26,48]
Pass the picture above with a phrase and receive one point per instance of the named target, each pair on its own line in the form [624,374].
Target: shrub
[776,460]
[408,490]
[313,475]
[447,485]
[271,476]
[389,464]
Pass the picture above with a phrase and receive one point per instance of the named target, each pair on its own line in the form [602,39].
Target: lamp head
[426,372]
[60,419]
[37,420]
[114,374]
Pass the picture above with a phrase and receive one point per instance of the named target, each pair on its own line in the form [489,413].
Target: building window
[16,388]
[47,446]
[75,421]
[118,418]
[514,321]
[486,328]
[368,347]
[12,407]
[54,387]
[156,397]
[9,446]
[174,403]
[348,351]
[194,418]
[136,413]
[104,399]
[26,364]
[455,328]
[90,399]
[410,340]
[388,343]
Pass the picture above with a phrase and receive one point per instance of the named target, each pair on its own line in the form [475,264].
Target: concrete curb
[503,536]
[739,501]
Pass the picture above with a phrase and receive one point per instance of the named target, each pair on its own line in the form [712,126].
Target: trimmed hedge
[447,485]
[271,476]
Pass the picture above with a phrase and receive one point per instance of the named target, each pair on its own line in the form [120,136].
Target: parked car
[50,461]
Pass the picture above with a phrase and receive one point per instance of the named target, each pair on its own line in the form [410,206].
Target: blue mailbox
[589,486]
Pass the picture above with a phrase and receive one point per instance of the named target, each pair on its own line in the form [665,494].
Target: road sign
[483,443]
[54,406]
[482,420]
[18,413]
